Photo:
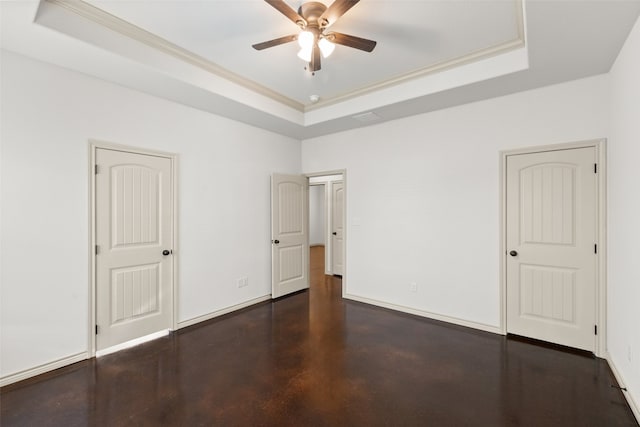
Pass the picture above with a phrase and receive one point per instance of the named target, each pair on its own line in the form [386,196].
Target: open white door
[337,223]
[134,267]
[551,253]
[289,234]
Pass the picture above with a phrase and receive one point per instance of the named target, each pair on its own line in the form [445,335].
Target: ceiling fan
[314,18]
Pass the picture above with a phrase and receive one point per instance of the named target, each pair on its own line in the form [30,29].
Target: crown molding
[422,72]
[127,29]
[473,56]
[141,35]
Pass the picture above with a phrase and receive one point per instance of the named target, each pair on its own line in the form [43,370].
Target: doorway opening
[317,228]
[326,223]
[290,229]
[326,219]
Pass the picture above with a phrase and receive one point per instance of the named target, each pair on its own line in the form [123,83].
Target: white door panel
[551,233]
[337,222]
[134,290]
[290,234]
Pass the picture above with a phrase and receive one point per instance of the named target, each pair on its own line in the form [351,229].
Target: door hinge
[595,248]
[595,168]
[595,329]
[97,249]
[96,329]
[95,169]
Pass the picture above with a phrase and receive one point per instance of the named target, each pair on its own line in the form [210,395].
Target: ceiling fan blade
[335,11]
[287,11]
[314,65]
[275,42]
[352,41]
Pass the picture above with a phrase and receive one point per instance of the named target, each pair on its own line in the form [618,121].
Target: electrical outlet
[413,287]
[242,282]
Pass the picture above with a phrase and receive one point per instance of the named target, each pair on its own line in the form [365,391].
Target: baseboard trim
[61,363]
[635,408]
[222,312]
[427,314]
[42,369]
[132,343]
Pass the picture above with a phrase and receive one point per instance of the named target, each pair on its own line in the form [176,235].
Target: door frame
[342,172]
[601,219]
[94,145]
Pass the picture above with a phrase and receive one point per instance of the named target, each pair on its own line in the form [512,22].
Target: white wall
[624,215]
[316,214]
[48,116]
[433,218]
[434,215]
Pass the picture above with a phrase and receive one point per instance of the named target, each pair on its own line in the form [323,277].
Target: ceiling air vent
[367,117]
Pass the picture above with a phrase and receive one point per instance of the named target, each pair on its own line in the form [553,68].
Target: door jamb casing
[601,233]
[342,172]
[93,146]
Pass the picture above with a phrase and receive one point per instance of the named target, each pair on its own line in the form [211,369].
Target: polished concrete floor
[313,359]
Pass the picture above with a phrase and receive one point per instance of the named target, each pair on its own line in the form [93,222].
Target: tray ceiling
[413,37]
[431,54]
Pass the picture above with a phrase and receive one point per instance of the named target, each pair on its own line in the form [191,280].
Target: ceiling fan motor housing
[311,12]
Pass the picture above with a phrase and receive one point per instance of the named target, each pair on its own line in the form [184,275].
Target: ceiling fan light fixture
[314,17]
[305,54]
[326,47]
[306,40]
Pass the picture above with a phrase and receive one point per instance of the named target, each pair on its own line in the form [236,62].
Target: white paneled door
[134,267]
[551,248]
[290,234]
[337,224]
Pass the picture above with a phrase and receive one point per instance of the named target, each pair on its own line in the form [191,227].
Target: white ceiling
[430,54]
[411,35]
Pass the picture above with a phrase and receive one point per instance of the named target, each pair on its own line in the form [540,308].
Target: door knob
[166,252]
[334,233]
[276,241]
[513,253]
